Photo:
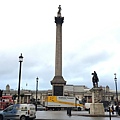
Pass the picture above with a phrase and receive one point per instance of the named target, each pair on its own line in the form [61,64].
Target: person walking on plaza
[112,109]
[116,109]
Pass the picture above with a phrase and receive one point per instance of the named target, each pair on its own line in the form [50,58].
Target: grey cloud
[95,58]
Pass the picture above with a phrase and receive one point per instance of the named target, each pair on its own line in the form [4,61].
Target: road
[62,115]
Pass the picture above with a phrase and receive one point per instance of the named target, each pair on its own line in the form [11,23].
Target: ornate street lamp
[36,91]
[20,60]
[116,88]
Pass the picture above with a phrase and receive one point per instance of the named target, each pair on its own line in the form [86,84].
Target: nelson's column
[58,81]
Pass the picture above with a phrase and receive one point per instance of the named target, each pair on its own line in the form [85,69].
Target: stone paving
[76,115]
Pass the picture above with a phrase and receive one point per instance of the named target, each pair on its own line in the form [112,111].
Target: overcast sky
[91,41]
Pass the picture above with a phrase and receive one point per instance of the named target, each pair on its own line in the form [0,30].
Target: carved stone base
[97,109]
[58,83]
[96,94]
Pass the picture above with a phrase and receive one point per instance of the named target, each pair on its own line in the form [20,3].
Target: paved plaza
[76,115]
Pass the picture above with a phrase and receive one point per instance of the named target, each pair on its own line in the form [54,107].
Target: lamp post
[116,88]
[20,60]
[36,91]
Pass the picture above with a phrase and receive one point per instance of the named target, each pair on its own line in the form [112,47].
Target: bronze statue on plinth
[96,108]
[95,79]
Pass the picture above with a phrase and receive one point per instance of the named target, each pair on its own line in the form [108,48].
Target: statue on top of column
[95,79]
[59,10]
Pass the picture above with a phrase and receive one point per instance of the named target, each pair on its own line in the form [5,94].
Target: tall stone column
[58,56]
[58,81]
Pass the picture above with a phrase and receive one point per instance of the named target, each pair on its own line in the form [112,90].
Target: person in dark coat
[112,109]
[116,109]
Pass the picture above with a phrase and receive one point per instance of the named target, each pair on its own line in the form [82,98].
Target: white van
[87,106]
[18,111]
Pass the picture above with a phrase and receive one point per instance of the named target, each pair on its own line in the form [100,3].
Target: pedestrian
[119,110]
[112,109]
[116,109]
[69,111]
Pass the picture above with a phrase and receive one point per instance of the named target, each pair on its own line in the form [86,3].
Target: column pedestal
[96,108]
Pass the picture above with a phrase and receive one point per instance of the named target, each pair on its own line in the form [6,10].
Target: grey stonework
[58,79]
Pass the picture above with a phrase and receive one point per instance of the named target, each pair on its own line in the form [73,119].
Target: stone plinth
[96,94]
[97,109]
[58,83]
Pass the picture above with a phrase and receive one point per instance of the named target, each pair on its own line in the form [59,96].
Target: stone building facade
[79,91]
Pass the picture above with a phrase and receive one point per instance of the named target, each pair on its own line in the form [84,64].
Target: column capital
[59,20]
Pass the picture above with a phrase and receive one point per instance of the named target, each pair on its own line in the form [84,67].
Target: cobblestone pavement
[76,115]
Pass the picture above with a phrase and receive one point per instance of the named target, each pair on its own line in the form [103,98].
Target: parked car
[18,111]
[41,107]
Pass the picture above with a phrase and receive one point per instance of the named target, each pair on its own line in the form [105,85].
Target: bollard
[110,113]
[36,106]
[70,112]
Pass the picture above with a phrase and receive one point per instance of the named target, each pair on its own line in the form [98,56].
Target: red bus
[5,101]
